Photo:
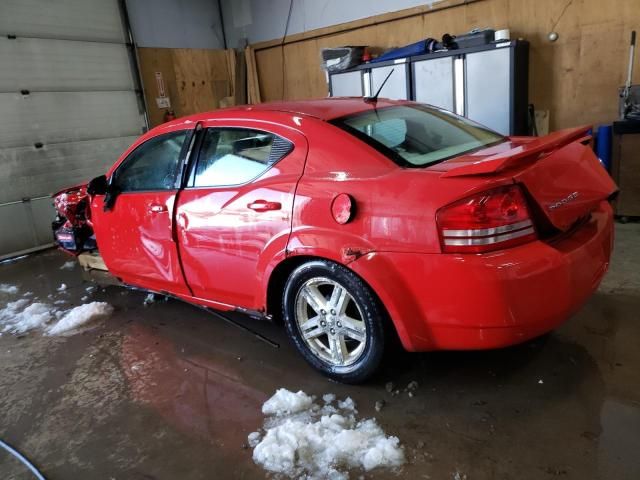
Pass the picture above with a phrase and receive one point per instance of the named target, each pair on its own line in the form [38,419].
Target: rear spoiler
[533,150]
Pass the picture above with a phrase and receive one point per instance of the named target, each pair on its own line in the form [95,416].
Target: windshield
[418,135]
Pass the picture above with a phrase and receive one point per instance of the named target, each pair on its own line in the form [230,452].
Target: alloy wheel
[330,321]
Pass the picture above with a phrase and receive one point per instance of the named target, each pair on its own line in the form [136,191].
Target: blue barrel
[603,145]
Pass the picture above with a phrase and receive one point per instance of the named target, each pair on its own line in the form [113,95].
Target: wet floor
[167,391]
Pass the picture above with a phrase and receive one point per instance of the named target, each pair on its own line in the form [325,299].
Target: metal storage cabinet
[347,84]
[366,79]
[434,82]
[398,86]
[496,85]
[488,84]
[487,88]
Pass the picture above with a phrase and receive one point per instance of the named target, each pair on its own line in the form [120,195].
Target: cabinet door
[348,84]
[396,87]
[488,88]
[433,82]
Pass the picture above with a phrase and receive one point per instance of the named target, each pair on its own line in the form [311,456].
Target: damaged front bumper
[72,229]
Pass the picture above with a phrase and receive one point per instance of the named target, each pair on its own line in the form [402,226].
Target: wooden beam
[253,84]
[363,22]
[240,87]
[231,69]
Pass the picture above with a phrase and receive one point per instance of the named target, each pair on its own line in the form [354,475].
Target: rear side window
[233,156]
[418,135]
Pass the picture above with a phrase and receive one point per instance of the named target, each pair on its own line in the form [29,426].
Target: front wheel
[334,320]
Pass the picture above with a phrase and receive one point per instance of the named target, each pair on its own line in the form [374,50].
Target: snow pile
[8,289]
[22,316]
[303,439]
[19,318]
[286,402]
[79,316]
[328,397]
[70,265]
[62,287]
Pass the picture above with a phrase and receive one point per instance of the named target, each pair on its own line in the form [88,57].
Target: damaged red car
[355,221]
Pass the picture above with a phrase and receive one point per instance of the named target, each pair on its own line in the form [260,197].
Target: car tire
[344,337]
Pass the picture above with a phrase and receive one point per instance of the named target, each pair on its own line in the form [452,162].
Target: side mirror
[98,186]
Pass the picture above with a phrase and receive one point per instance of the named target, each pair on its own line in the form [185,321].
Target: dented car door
[235,210]
[134,223]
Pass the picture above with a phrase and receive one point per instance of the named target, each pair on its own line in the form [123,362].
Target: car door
[135,232]
[234,213]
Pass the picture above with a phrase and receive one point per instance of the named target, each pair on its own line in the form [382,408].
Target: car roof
[321,108]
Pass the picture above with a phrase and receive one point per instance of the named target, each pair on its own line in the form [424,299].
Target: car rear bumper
[460,302]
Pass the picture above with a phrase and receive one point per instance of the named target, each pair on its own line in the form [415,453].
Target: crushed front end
[72,229]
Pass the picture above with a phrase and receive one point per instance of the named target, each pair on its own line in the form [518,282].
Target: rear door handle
[264,206]
[157,208]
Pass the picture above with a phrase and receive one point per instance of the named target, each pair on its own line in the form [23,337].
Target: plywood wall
[576,78]
[196,80]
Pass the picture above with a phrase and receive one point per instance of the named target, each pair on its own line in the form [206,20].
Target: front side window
[233,156]
[418,135]
[154,165]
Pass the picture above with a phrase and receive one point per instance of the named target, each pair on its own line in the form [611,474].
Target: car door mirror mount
[98,186]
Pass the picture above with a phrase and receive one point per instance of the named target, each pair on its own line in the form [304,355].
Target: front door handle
[264,206]
[157,208]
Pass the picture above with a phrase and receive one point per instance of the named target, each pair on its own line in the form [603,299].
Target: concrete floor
[170,392]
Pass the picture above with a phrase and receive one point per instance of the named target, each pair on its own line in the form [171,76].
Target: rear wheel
[334,320]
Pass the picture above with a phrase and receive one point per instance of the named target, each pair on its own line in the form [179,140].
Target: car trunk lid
[559,171]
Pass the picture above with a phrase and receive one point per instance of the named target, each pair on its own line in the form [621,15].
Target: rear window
[418,135]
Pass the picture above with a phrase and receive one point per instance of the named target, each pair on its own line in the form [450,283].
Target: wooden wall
[196,80]
[575,78]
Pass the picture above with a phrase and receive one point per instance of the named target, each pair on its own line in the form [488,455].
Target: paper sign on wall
[160,84]
[163,102]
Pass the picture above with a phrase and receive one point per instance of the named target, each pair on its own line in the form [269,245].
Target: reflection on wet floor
[193,392]
[169,391]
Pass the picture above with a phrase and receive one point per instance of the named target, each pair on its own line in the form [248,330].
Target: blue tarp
[417,48]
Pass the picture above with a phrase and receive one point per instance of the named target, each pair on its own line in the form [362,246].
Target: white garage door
[68,107]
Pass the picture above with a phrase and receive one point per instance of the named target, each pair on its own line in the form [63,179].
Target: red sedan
[355,221]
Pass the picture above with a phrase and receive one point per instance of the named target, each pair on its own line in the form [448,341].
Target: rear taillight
[486,221]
